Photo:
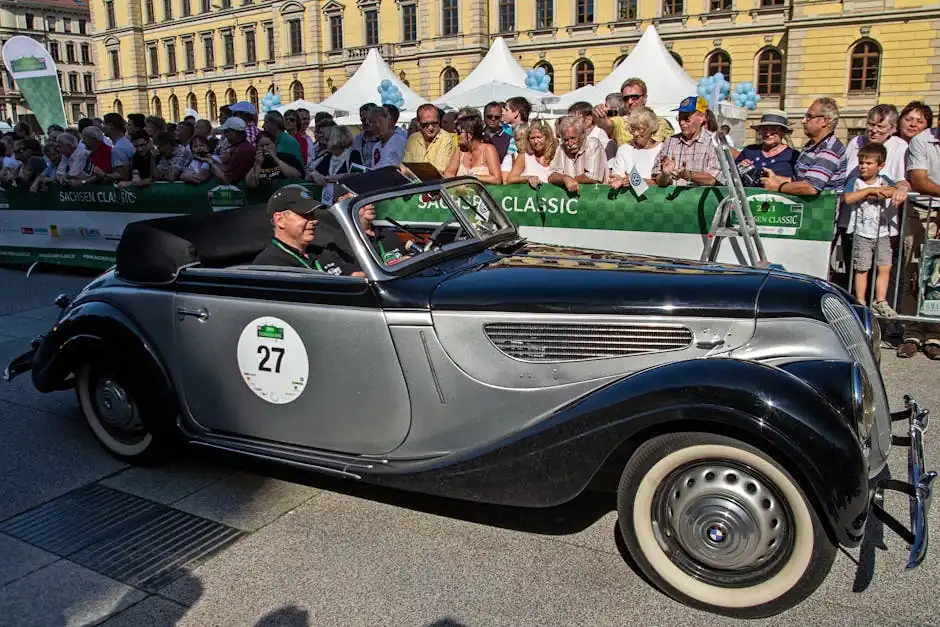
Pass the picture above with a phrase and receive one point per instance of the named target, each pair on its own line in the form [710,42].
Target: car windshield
[407,225]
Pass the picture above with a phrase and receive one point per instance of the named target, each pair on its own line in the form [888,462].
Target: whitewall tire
[717,524]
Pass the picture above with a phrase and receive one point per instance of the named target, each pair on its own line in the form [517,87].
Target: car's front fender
[557,458]
[96,330]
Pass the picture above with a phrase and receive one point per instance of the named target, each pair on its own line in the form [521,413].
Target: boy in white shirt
[873,219]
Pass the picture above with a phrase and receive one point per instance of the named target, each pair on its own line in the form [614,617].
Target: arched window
[719,61]
[212,106]
[619,60]
[676,57]
[191,102]
[297,90]
[545,65]
[449,79]
[175,108]
[583,73]
[865,63]
[770,72]
[253,97]
[118,107]
[230,97]
[155,107]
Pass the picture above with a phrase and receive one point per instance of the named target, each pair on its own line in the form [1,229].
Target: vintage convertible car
[738,413]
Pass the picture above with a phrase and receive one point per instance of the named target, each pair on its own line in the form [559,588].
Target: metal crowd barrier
[920,213]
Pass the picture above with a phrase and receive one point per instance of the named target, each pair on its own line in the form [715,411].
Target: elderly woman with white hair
[640,152]
[74,157]
[579,159]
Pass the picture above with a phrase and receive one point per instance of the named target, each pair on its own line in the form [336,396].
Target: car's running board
[322,461]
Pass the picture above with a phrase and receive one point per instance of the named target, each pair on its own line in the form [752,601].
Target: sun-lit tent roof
[588,93]
[312,107]
[492,91]
[497,65]
[665,79]
[362,87]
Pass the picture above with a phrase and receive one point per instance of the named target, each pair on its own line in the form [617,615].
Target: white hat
[234,124]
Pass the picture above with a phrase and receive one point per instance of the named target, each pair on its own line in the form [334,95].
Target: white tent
[665,79]
[492,91]
[497,65]
[312,107]
[362,87]
[588,93]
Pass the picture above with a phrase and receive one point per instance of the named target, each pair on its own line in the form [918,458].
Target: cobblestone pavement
[278,548]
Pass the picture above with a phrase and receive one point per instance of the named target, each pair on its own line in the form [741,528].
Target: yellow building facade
[166,56]
[62,26]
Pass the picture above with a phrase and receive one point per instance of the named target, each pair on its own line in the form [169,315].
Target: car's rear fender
[97,330]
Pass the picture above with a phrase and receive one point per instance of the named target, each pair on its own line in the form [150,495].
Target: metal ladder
[737,203]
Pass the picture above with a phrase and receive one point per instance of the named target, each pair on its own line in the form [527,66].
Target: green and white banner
[35,74]
[81,226]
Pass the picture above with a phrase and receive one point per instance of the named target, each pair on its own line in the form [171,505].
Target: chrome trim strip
[437,382]
[281,460]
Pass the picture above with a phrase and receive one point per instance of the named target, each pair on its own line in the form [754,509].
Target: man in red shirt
[99,155]
[241,157]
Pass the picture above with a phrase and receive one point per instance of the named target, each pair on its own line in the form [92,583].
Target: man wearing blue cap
[688,157]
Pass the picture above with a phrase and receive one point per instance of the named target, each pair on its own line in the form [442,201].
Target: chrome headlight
[863,401]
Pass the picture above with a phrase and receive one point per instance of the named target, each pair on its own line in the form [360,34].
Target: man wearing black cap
[291,209]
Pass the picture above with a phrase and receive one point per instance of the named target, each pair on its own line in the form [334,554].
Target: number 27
[266,352]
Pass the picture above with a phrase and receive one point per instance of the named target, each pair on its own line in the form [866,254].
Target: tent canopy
[665,79]
[362,87]
[312,107]
[498,64]
[588,93]
[492,91]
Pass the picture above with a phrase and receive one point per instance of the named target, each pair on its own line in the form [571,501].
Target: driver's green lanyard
[386,256]
[300,259]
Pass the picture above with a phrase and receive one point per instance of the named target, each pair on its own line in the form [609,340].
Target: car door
[290,357]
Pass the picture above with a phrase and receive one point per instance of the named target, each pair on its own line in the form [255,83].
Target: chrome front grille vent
[553,342]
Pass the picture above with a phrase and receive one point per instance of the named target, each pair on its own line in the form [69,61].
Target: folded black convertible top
[154,251]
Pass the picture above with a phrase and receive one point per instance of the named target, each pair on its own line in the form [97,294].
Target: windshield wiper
[511,245]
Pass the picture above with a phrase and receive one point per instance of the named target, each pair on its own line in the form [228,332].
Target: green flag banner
[34,71]
[81,226]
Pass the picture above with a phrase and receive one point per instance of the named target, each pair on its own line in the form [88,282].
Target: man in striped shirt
[821,165]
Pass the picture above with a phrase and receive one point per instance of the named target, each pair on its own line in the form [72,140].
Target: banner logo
[27,64]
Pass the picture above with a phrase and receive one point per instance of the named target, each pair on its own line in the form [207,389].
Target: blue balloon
[540,72]
[756,97]
[386,83]
[718,76]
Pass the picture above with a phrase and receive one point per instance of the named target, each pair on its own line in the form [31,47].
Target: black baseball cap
[294,198]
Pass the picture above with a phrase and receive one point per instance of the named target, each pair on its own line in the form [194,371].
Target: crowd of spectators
[612,143]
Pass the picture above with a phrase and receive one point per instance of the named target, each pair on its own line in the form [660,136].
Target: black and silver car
[739,414]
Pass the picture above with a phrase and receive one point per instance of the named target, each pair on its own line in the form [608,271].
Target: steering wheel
[432,240]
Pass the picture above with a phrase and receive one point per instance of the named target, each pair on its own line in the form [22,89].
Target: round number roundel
[273,360]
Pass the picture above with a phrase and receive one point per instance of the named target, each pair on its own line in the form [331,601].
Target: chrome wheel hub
[116,411]
[723,519]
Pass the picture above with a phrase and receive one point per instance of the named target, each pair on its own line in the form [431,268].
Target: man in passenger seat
[292,212]
[385,242]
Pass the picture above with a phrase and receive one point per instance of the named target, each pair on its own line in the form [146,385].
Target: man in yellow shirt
[634,94]
[430,144]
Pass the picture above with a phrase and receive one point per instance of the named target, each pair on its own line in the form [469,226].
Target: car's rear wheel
[718,525]
[118,412]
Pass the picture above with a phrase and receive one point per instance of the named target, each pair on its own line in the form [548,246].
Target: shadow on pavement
[568,518]
[288,616]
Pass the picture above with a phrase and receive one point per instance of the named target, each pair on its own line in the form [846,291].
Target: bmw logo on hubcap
[716,534]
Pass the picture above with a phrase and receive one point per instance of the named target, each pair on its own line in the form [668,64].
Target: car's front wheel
[116,407]
[718,525]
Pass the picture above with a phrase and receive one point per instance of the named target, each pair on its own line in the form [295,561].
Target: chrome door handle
[202,313]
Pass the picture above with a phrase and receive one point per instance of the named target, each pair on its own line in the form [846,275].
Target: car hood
[544,278]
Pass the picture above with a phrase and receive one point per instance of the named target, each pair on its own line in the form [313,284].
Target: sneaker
[882,308]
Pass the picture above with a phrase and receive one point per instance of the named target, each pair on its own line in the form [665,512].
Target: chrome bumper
[917,487]
[23,363]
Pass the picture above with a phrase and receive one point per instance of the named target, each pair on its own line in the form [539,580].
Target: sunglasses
[633,97]
[429,124]
[494,117]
